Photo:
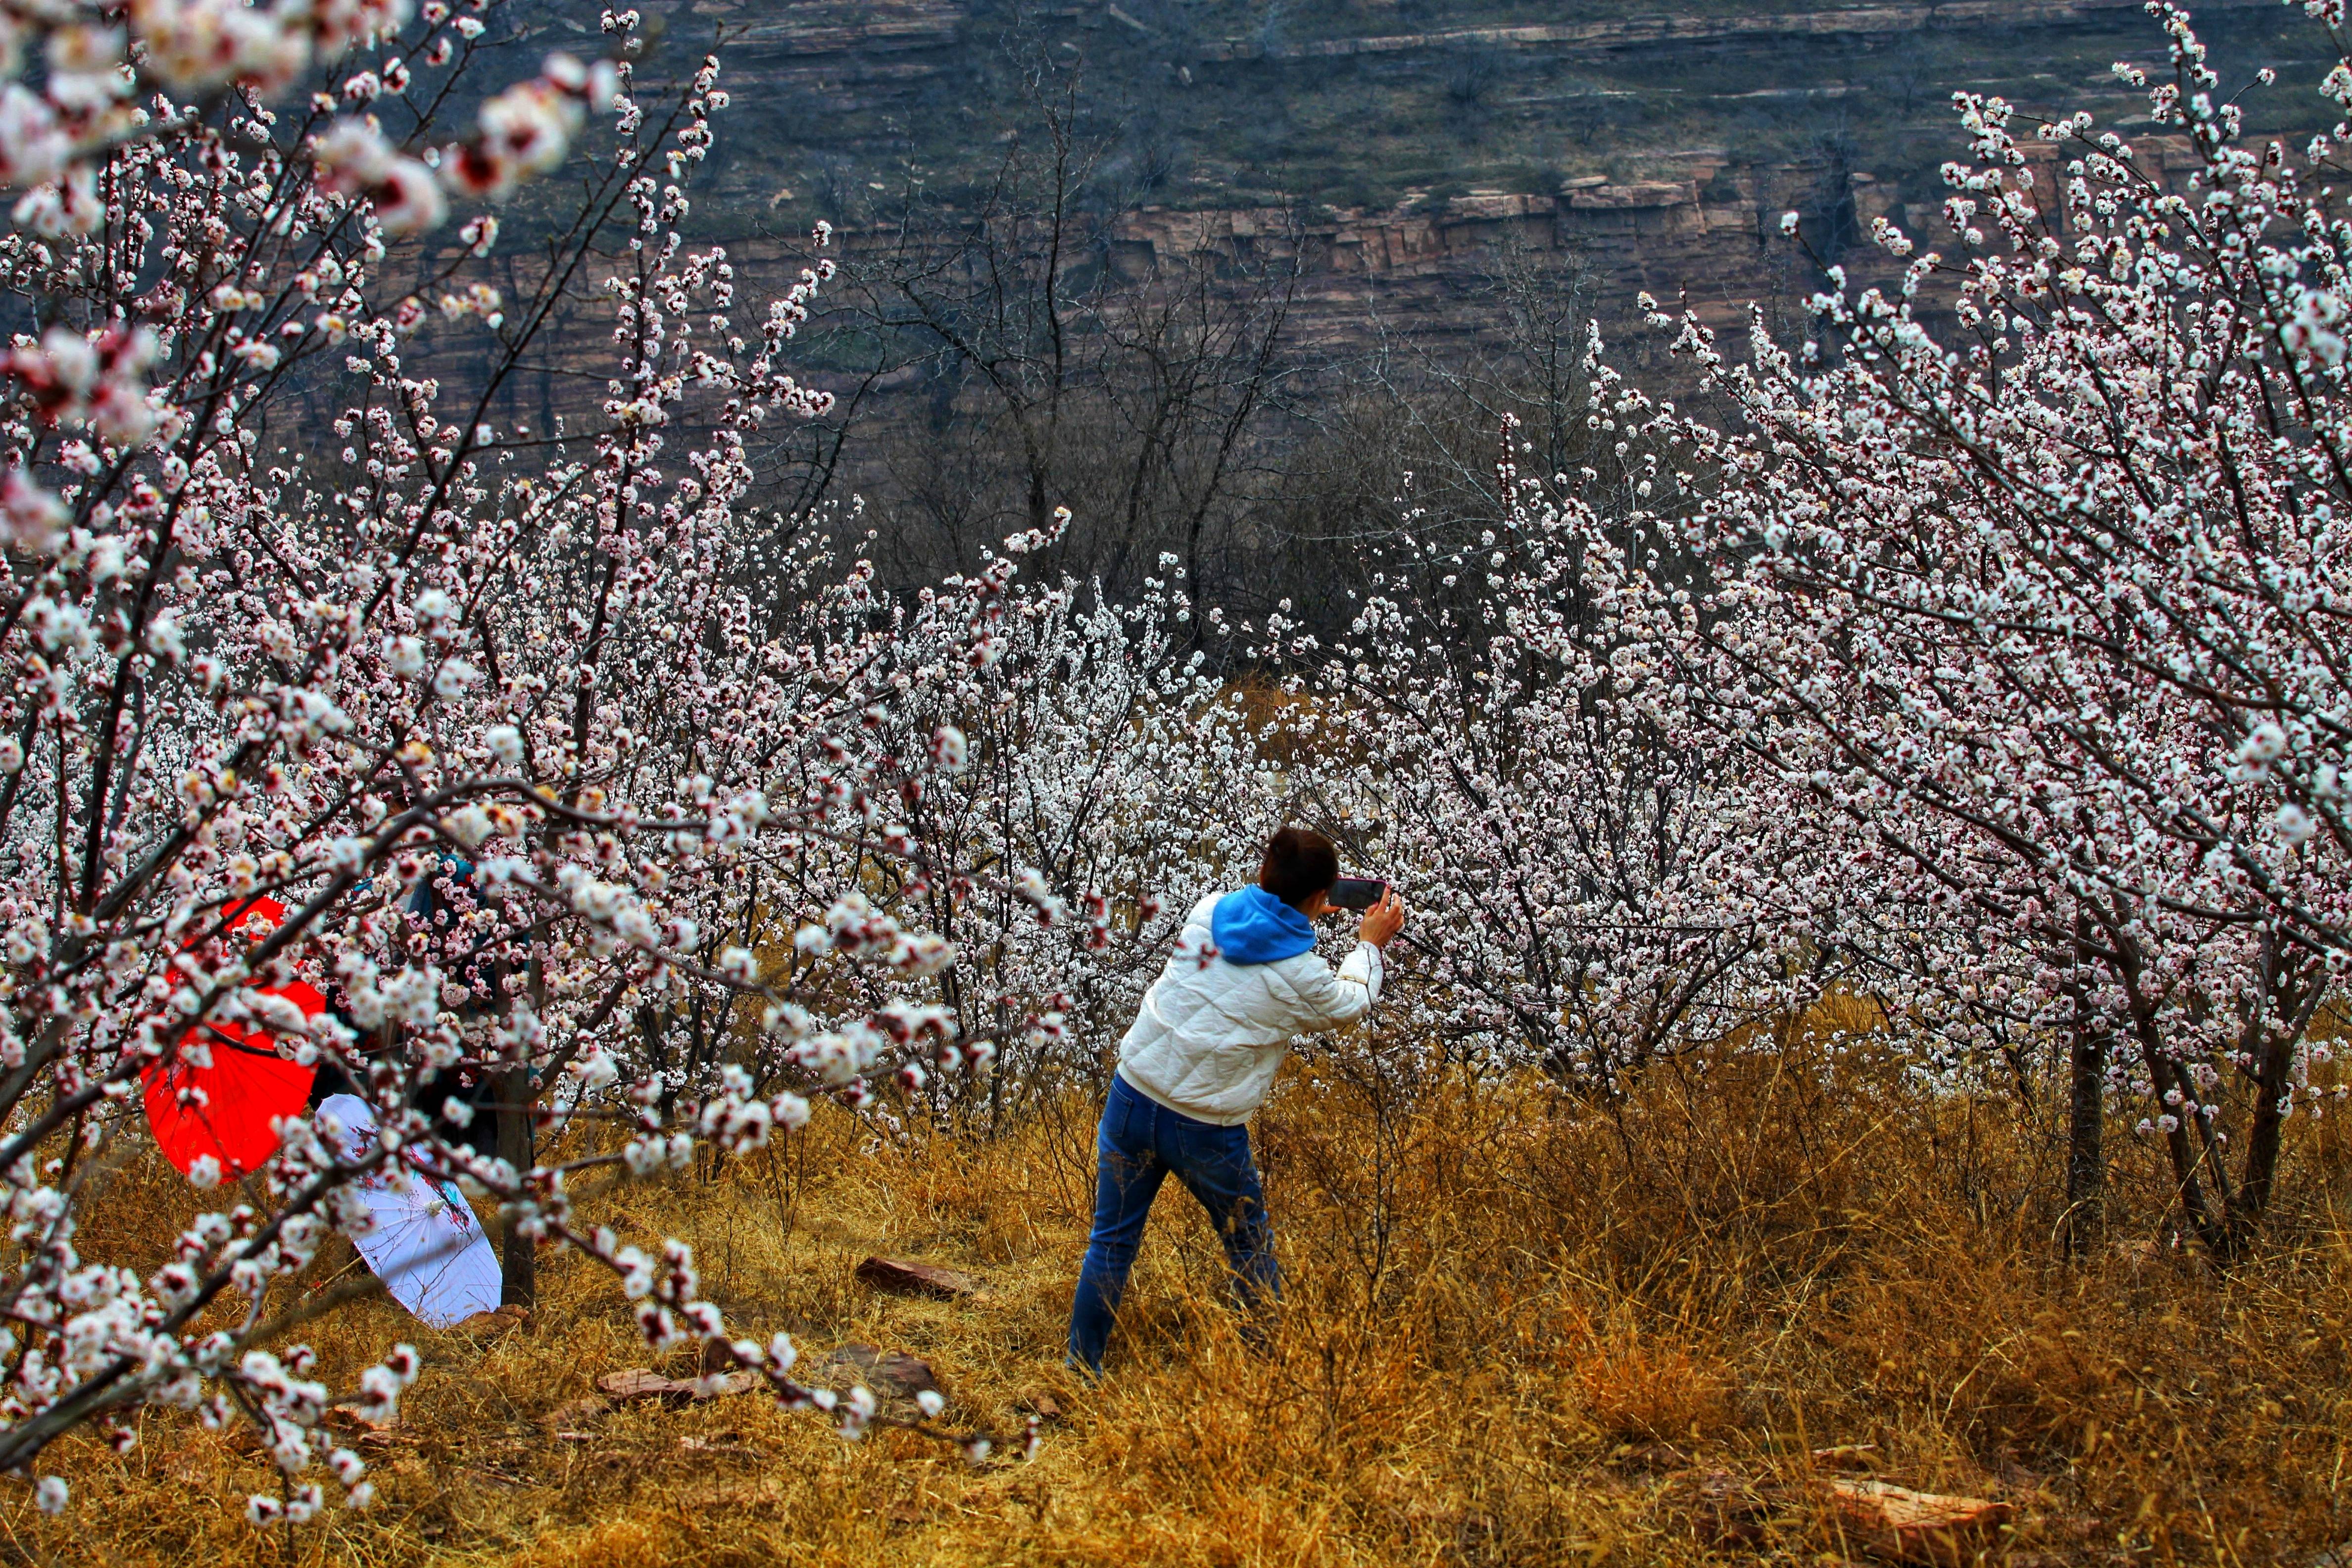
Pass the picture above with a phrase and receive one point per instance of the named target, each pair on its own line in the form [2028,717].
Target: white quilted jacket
[1211,1033]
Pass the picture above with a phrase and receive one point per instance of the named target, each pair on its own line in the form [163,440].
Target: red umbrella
[226,1111]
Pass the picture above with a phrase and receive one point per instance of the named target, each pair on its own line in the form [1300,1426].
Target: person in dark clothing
[436,904]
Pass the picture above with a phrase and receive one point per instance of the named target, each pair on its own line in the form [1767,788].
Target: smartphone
[1356,892]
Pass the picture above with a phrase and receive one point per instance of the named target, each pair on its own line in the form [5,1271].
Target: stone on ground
[1903,1526]
[900,1277]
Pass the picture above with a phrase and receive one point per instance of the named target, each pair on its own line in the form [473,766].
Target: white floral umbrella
[425,1244]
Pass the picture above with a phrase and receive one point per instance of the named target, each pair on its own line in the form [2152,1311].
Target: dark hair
[1299,863]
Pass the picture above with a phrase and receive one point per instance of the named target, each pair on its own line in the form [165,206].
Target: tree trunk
[2086,1154]
[2164,1074]
[2292,995]
[2263,1140]
[2084,1222]
[518,1255]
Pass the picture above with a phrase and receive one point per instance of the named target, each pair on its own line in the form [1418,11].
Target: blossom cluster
[100,62]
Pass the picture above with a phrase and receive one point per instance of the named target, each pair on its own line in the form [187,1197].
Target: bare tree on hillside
[1044,356]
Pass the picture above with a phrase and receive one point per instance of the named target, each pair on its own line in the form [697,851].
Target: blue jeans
[1139,1142]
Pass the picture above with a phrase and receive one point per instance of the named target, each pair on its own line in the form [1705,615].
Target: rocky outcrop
[1709,240]
[1706,237]
[1640,31]
[833,27]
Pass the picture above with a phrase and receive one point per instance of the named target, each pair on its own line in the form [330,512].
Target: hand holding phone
[1356,892]
[1383,920]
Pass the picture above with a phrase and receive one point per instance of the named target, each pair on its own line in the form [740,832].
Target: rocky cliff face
[808,29]
[1654,149]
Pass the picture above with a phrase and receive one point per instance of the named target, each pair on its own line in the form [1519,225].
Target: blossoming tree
[1598,883]
[2048,608]
[528,731]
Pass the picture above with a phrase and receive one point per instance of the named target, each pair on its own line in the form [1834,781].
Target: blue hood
[1253,926]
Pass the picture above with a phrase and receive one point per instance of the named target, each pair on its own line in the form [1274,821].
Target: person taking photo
[1199,1059]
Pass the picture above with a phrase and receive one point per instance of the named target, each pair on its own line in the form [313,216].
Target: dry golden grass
[1517,1330]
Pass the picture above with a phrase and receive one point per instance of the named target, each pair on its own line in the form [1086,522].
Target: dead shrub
[1653,1392]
